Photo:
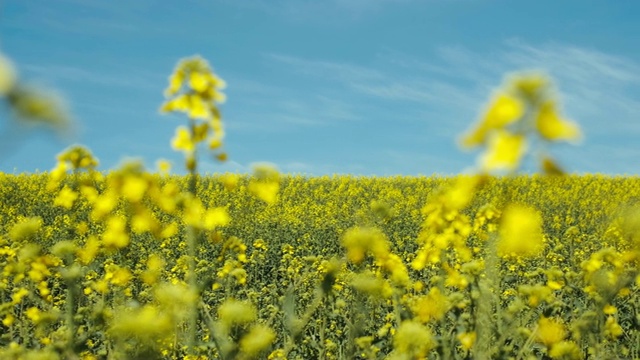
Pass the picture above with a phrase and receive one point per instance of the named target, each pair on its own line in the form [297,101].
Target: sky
[360,87]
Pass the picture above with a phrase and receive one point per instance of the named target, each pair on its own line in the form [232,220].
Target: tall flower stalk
[195,90]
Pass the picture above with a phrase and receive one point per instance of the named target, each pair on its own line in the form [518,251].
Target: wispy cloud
[592,83]
[329,70]
[601,91]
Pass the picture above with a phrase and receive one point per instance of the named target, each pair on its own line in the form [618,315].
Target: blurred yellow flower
[611,328]
[265,191]
[65,198]
[8,320]
[372,285]
[358,241]
[134,187]
[147,324]
[520,232]
[34,314]
[431,307]
[609,309]
[467,339]
[258,339]
[550,331]
[413,339]
[88,252]
[504,110]
[215,217]
[504,152]
[182,140]
[26,228]
[8,75]
[567,350]
[552,127]
[115,236]
[175,83]
[233,312]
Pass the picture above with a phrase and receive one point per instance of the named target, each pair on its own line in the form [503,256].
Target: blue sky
[363,87]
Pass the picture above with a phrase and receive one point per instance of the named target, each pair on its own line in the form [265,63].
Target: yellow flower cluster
[524,106]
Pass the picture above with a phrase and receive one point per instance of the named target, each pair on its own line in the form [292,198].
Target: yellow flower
[8,75]
[230,181]
[467,339]
[369,284]
[142,221]
[134,187]
[8,320]
[456,279]
[18,295]
[265,191]
[65,198]
[103,205]
[121,277]
[504,152]
[115,236]
[412,338]
[552,127]
[520,232]
[504,110]
[175,83]
[25,229]
[182,141]
[431,307]
[180,103]
[258,339]
[34,314]
[233,312]
[216,217]
[198,81]
[147,324]
[265,182]
[550,331]
[565,350]
[155,264]
[198,108]
[359,240]
[612,328]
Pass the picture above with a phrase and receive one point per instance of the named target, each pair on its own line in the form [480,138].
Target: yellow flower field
[132,264]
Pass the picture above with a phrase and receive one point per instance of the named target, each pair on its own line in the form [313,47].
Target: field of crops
[131,264]
[328,270]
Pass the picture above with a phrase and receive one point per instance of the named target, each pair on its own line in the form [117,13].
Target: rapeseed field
[133,264]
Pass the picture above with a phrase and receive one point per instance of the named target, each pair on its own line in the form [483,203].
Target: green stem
[193,287]
[192,246]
